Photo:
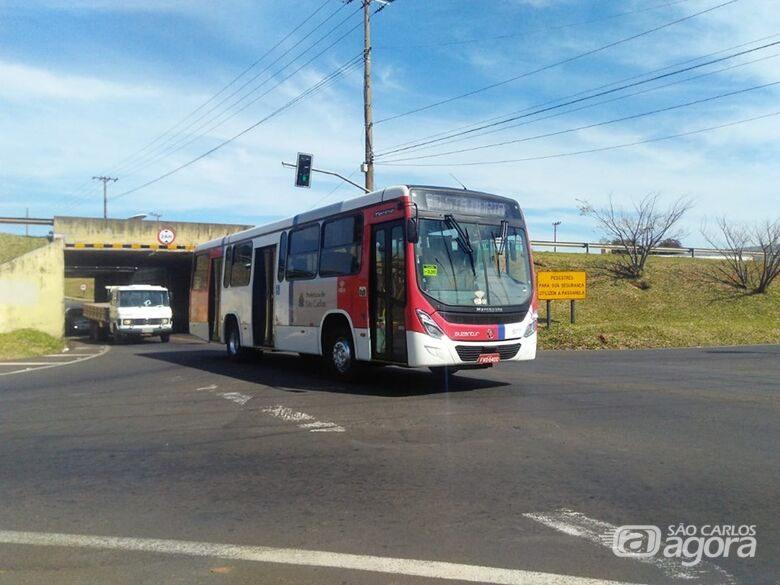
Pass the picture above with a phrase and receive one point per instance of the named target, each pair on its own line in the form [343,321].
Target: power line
[557,63]
[181,140]
[452,132]
[614,99]
[234,80]
[352,63]
[594,125]
[593,150]
[484,39]
[179,146]
[136,155]
[527,114]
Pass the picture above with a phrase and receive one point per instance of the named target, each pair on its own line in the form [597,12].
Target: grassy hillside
[26,343]
[674,305]
[12,246]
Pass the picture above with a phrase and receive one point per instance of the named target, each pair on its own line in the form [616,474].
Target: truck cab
[133,311]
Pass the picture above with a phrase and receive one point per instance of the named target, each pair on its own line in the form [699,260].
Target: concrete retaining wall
[32,289]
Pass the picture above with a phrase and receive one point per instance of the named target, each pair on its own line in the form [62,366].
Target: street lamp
[555,234]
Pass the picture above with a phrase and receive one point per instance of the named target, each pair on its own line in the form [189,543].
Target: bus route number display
[561,286]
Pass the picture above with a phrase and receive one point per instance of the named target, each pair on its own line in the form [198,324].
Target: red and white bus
[410,275]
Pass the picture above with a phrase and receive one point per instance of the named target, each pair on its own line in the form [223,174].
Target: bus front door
[388,292]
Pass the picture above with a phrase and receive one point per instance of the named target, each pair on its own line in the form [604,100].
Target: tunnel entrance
[107,252]
[171,269]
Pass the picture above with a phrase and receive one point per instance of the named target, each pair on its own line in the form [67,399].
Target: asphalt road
[520,468]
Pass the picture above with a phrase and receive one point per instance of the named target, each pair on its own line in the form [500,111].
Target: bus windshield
[472,272]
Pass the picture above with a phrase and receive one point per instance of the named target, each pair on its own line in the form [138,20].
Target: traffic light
[303,170]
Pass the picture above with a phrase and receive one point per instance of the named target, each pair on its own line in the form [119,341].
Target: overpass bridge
[136,251]
[111,251]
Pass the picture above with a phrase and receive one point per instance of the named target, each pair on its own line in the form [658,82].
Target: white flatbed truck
[132,311]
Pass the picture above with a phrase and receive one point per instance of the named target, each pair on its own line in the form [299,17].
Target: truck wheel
[339,355]
[94,331]
[165,337]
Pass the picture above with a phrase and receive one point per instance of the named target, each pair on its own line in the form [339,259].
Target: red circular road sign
[166,236]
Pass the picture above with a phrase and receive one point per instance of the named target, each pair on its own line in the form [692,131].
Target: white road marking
[310,558]
[601,533]
[322,427]
[209,387]
[236,397]
[35,366]
[287,414]
[312,424]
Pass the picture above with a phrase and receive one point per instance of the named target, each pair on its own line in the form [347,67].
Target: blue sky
[85,84]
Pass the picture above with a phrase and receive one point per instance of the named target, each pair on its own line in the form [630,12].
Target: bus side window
[228,266]
[200,273]
[303,252]
[241,268]
[340,250]
[282,257]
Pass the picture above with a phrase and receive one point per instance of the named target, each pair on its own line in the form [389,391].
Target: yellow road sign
[561,286]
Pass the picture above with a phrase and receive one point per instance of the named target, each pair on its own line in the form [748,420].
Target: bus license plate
[488,358]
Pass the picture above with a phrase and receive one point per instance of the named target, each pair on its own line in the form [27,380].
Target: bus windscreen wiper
[463,239]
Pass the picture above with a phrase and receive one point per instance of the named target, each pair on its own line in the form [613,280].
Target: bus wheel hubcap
[341,355]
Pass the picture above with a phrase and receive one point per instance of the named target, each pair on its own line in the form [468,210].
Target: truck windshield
[143,298]
[472,273]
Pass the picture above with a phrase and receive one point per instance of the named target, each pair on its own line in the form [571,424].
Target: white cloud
[23,83]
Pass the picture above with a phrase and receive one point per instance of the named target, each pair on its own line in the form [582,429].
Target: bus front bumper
[426,351]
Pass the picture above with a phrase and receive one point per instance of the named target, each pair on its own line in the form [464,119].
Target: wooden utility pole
[105,180]
[368,165]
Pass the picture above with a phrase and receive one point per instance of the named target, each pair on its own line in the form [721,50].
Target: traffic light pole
[368,166]
[332,174]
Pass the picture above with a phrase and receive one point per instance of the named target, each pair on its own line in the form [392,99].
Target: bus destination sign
[466,204]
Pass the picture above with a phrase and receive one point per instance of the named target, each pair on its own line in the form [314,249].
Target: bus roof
[386,194]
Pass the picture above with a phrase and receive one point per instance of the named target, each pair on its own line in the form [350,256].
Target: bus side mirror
[412,234]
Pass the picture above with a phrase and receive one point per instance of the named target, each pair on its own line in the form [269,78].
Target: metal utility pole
[105,193]
[368,165]
[555,234]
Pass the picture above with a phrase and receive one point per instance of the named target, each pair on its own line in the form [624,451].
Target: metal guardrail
[27,220]
[689,252]
[587,246]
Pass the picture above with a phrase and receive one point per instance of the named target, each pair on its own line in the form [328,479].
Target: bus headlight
[127,322]
[164,321]
[430,326]
[531,329]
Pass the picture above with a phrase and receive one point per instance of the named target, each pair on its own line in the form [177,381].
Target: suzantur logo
[689,543]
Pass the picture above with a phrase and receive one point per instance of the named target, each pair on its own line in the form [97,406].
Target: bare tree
[751,254]
[640,229]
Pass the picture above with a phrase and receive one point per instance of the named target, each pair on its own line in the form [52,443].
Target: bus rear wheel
[339,355]
[233,341]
